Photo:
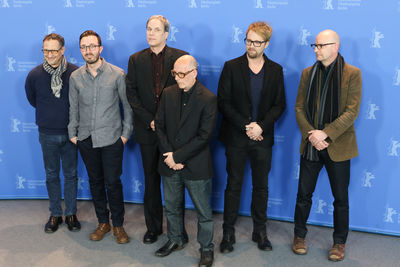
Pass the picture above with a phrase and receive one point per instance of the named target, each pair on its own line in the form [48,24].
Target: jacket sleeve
[205,132]
[73,109]
[30,90]
[278,106]
[225,100]
[160,125]
[127,123]
[132,93]
[352,107]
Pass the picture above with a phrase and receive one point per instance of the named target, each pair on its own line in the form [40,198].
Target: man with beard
[328,102]
[251,98]
[96,127]
[149,72]
[47,87]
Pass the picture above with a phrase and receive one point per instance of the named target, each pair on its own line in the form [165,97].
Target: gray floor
[23,242]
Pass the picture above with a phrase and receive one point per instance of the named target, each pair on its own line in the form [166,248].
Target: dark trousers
[58,148]
[199,191]
[153,209]
[260,162]
[104,168]
[339,178]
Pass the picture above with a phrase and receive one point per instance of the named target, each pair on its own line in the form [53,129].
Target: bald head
[186,67]
[330,36]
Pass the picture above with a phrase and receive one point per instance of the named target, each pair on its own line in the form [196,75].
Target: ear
[100,49]
[266,45]
[63,50]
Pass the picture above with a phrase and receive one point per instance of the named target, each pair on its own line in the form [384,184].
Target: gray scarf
[56,81]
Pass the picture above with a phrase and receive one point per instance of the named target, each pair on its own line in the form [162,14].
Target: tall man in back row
[328,102]
[149,72]
[251,98]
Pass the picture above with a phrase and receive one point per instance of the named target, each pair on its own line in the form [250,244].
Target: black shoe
[185,237]
[150,237]
[168,248]
[227,243]
[262,241]
[207,258]
[73,224]
[52,225]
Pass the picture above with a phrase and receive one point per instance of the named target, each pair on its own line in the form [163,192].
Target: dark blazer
[141,93]
[341,133]
[234,101]
[187,135]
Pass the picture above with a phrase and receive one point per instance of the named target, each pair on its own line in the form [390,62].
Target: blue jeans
[199,191]
[56,148]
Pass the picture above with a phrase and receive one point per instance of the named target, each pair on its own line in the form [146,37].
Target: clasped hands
[317,139]
[254,131]
[169,160]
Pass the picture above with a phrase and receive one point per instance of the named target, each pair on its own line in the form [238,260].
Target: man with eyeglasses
[251,98]
[185,123]
[148,75]
[328,102]
[47,87]
[96,127]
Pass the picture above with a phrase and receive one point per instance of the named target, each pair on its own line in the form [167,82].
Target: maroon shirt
[157,62]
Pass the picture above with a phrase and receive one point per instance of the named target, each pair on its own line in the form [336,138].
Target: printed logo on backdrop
[73,60]
[377,36]
[390,215]
[207,70]
[394,148]
[1,155]
[341,4]
[304,34]
[24,183]
[320,206]
[172,31]
[274,202]
[272,4]
[296,171]
[15,3]
[258,4]
[78,3]
[367,178]
[49,29]
[12,64]
[111,29]
[83,184]
[136,186]
[371,109]
[236,34]
[17,126]
[129,3]
[140,3]
[396,77]
[279,138]
[203,3]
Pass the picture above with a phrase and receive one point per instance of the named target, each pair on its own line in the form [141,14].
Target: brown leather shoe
[121,235]
[337,252]
[299,245]
[100,231]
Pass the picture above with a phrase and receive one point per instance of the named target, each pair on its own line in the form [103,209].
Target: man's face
[190,78]
[156,36]
[326,54]
[90,49]
[253,51]
[53,52]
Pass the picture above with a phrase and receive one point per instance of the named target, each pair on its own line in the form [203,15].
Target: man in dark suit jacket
[185,123]
[148,74]
[328,102]
[251,98]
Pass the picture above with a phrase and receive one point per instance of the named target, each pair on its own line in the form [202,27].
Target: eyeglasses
[319,46]
[254,43]
[91,47]
[181,74]
[51,51]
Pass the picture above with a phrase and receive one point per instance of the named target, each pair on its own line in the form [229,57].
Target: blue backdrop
[213,31]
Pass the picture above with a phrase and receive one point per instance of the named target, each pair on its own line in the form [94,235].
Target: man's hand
[124,140]
[74,140]
[321,145]
[152,126]
[178,166]
[169,160]
[316,136]
[254,131]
